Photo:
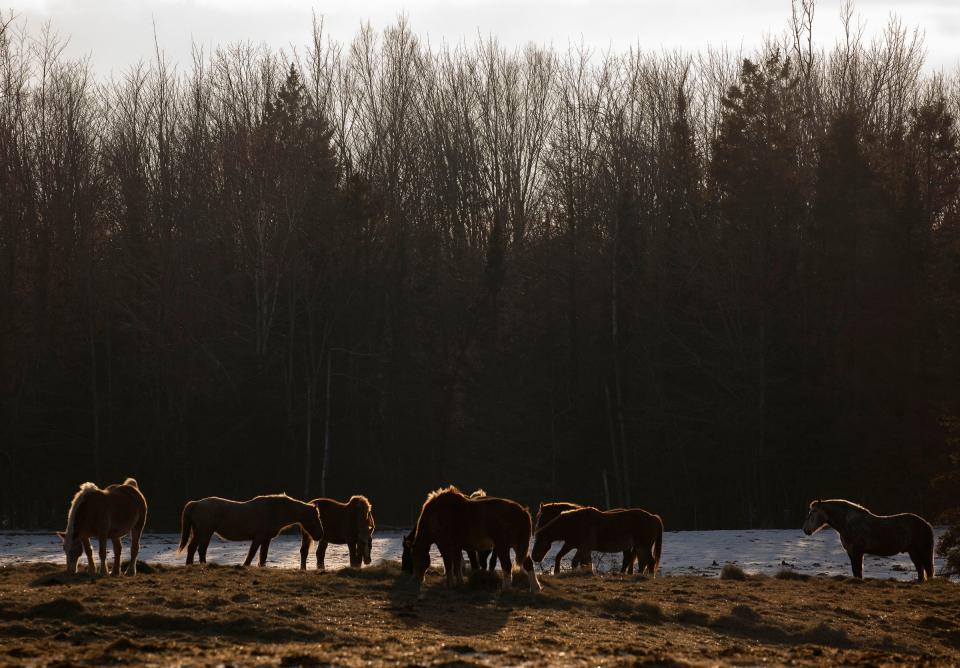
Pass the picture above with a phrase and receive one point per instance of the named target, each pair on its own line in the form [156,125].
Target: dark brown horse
[456,522]
[349,524]
[482,560]
[862,532]
[635,532]
[547,513]
[479,559]
[259,520]
[104,513]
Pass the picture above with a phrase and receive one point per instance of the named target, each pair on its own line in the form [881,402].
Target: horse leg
[134,551]
[474,559]
[117,546]
[856,562]
[503,554]
[192,548]
[560,555]
[447,569]
[204,544]
[629,556]
[920,564]
[491,556]
[253,550]
[103,554]
[264,546]
[354,555]
[458,567]
[88,550]
[305,542]
[321,554]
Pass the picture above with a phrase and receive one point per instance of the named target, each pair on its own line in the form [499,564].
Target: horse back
[886,535]
[112,512]
[336,519]
[482,522]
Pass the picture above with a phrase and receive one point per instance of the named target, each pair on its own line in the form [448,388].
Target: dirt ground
[224,615]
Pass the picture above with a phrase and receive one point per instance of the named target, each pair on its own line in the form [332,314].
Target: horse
[455,522]
[104,513]
[635,532]
[862,532]
[479,559]
[482,560]
[349,524]
[547,513]
[260,520]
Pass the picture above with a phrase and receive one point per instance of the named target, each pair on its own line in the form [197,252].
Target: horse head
[542,540]
[363,525]
[406,558]
[73,548]
[816,518]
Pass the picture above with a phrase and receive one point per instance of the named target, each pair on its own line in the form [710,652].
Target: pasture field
[228,615]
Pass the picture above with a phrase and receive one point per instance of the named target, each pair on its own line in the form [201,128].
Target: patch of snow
[684,552]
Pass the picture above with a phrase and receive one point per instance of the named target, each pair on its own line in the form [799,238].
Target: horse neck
[73,516]
[837,516]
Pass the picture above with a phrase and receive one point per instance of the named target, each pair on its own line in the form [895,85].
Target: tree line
[713,285]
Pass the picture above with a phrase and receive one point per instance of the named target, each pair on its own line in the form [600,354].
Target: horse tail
[131,482]
[657,546]
[186,524]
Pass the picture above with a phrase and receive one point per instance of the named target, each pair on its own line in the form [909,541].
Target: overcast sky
[116,33]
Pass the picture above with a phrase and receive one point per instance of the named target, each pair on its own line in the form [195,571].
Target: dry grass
[231,615]
[732,572]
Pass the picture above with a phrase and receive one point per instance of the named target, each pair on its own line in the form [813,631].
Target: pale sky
[117,33]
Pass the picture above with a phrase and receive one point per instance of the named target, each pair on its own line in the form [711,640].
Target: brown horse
[260,520]
[547,513]
[456,522]
[482,560]
[349,524]
[104,513]
[635,532]
[862,532]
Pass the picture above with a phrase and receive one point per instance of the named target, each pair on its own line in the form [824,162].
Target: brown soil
[230,615]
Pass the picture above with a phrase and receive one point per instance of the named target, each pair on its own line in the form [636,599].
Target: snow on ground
[684,552]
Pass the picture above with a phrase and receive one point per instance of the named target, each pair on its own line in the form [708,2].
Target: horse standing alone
[862,532]
[104,513]
[349,524]
[260,520]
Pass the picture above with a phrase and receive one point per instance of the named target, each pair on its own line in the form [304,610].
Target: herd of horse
[487,528]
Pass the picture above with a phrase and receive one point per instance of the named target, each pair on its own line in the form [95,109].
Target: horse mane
[362,501]
[849,505]
[85,489]
[562,516]
[478,493]
[450,489]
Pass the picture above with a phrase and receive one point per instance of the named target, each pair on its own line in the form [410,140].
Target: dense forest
[713,285]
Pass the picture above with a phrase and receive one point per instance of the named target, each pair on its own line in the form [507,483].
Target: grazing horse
[349,524]
[104,513]
[456,522]
[479,559]
[633,531]
[862,532]
[260,520]
[546,514]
